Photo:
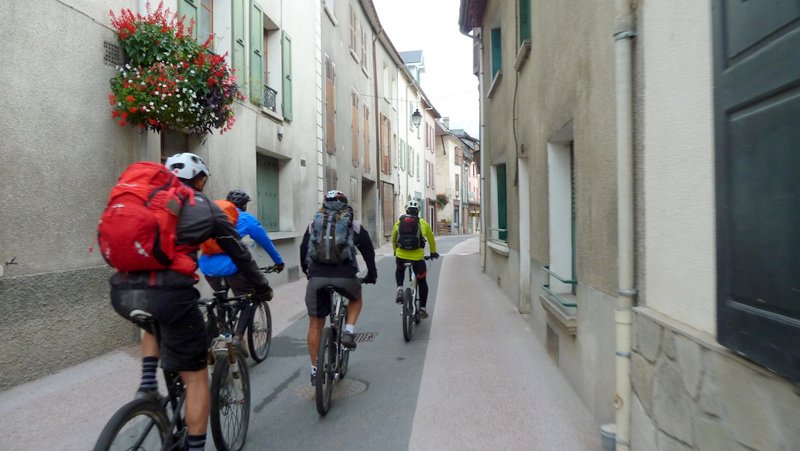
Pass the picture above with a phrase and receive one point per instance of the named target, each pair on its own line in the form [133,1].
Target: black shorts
[237,282]
[317,300]
[183,343]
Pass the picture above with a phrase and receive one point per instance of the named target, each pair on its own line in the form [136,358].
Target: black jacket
[361,240]
[197,223]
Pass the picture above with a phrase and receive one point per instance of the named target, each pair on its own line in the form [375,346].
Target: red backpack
[137,231]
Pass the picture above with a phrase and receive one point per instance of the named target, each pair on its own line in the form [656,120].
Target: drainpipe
[623,317]
[378,217]
[482,127]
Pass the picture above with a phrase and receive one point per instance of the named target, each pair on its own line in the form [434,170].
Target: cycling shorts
[317,300]
[183,341]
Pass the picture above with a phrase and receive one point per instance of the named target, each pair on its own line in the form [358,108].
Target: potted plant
[442,200]
[170,80]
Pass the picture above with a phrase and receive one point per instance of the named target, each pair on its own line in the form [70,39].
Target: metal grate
[365,337]
[294,273]
[112,54]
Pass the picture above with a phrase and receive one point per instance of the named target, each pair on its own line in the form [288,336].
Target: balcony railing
[270,99]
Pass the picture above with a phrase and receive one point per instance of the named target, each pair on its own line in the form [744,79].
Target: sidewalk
[487,382]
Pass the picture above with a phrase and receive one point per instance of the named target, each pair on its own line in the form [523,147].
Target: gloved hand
[371,278]
[263,296]
[278,267]
[434,255]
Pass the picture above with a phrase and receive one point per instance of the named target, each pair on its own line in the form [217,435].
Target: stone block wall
[690,393]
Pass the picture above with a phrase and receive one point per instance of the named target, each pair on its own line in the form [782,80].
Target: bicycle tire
[325,371]
[132,425]
[259,332]
[230,404]
[407,315]
[343,352]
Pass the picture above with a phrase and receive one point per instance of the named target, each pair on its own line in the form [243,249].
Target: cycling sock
[149,368]
[196,442]
[313,369]
[350,328]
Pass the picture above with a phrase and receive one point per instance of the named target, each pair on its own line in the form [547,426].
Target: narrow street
[473,377]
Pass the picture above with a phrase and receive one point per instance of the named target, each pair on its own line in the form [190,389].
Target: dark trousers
[240,285]
[420,270]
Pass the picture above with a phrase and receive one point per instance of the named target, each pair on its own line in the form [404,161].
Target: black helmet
[336,195]
[239,198]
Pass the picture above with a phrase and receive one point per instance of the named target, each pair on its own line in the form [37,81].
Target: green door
[502,203]
[267,196]
[757,106]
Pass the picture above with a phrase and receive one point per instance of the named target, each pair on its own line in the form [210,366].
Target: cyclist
[340,270]
[408,242]
[171,298]
[220,271]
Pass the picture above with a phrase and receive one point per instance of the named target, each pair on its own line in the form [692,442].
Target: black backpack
[409,233]
[331,238]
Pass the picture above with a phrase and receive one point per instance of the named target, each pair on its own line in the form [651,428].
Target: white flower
[127,66]
[151,104]
[156,93]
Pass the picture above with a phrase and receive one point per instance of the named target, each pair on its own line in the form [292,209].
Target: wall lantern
[416,118]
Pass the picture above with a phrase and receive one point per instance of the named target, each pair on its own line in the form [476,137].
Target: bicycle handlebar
[269,269]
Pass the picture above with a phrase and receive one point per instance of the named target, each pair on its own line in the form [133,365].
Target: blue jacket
[221,265]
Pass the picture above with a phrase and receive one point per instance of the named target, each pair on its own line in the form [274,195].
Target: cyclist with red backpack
[328,257]
[155,220]
[408,241]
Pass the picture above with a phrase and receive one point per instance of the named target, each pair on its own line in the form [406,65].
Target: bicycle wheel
[259,332]
[139,425]
[408,315]
[325,370]
[230,403]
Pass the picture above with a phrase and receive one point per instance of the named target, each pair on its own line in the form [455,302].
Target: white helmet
[412,204]
[186,165]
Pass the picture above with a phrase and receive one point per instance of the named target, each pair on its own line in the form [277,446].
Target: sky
[432,26]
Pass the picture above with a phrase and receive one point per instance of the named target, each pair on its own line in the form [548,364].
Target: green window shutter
[238,54]
[267,194]
[287,77]
[524,20]
[497,57]
[502,205]
[188,8]
[256,54]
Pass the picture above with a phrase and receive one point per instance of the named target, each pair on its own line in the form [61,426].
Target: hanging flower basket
[442,200]
[170,81]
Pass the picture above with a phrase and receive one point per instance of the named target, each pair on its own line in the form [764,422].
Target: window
[386,160]
[355,140]
[330,106]
[364,47]
[386,86]
[411,161]
[238,53]
[497,57]
[331,179]
[286,45]
[524,16]
[418,168]
[401,155]
[206,23]
[457,187]
[366,138]
[561,201]
[352,28]
[500,205]
[256,54]
[267,176]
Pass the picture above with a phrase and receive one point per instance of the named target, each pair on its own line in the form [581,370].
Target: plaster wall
[678,138]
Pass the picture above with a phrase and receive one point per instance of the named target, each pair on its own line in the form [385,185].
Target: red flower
[132,109]
[115,113]
[111,99]
[130,99]
[211,81]
[122,123]
[124,115]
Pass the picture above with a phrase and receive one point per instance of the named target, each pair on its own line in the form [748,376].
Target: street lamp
[416,118]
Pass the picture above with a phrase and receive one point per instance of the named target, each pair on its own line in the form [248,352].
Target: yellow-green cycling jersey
[415,254]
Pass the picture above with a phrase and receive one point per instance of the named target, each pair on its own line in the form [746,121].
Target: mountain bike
[152,424]
[333,356]
[410,302]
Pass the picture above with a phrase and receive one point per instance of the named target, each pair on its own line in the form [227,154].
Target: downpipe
[623,317]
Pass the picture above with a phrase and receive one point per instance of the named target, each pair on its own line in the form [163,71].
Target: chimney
[446,122]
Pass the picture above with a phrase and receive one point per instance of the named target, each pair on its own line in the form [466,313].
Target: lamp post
[416,118]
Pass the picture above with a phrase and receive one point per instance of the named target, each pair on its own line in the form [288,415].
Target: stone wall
[55,320]
[690,393]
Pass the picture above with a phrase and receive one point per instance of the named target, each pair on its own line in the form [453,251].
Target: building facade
[653,259]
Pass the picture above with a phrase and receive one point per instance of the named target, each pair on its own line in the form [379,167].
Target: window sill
[273,115]
[364,69]
[566,317]
[277,236]
[500,247]
[355,56]
[495,82]
[330,15]
[522,55]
